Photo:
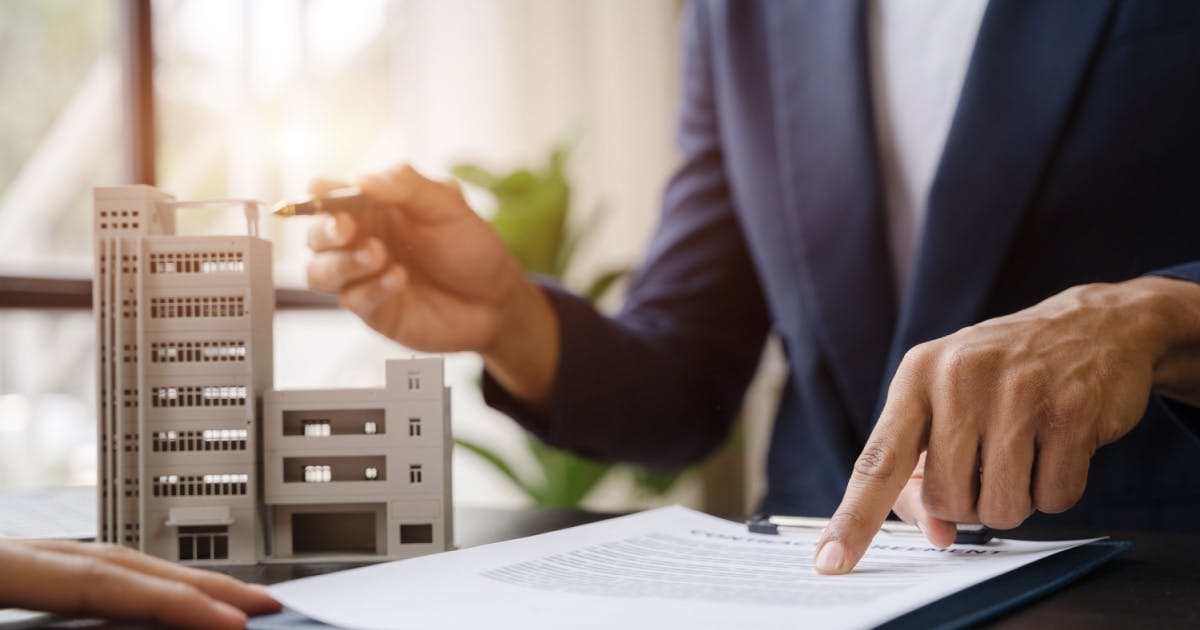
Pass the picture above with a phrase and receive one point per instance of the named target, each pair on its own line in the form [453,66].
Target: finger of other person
[75,584]
[250,598]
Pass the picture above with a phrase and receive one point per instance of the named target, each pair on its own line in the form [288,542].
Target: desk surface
[1157,583]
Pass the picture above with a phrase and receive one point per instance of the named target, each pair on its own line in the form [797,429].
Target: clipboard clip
[775,524]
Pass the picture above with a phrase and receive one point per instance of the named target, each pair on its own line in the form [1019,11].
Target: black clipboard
[1005,593]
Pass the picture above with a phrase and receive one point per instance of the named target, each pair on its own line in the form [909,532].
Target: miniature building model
[184,330]
[359,471]
[184,357]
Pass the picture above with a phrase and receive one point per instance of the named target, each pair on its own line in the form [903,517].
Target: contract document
[665,568]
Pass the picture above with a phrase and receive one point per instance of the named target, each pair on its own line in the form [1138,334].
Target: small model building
[360,471]
[184,358]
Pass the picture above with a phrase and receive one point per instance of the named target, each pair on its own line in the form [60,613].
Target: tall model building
[184,362]
[184,325]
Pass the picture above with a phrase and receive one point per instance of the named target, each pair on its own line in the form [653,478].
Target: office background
[252,99]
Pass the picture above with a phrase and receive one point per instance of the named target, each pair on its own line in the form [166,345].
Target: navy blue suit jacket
[1073,157]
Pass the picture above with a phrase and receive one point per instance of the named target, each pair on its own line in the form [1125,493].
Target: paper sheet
[665,568]
[64,512]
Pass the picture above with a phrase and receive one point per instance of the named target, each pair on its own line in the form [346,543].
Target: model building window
[201,485]
[197,351]
[318,474]
[204,543]
[192,307]
[370,427]
[416,534]
[414,427]
[316,428]
[197,262]
[414,473]
[414,380]
[206,440]
[199,396]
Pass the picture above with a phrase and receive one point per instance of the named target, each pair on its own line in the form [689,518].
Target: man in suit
[978,243]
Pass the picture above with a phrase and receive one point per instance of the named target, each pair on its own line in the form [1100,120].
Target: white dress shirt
[919,50]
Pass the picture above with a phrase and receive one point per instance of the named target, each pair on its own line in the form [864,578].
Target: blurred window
[60,90]
[253,98]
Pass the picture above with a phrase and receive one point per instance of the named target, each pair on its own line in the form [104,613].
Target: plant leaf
[515,183]
[475,175]
[569,477]
[656,483]
[583,476]
[565,147]
[604,282]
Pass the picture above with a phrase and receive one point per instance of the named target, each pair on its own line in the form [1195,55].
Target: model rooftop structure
[184,337]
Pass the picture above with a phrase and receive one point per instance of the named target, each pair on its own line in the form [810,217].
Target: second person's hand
[1001,419]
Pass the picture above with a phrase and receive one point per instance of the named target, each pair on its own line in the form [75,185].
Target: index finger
[418,196]
[880,473]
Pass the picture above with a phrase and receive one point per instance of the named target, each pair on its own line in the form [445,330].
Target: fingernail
[392,280]
[365,256]
[831,556]
[265,601]
[231,616]
[331,228]
[920,527]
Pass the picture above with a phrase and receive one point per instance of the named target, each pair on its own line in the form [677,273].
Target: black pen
[777,524]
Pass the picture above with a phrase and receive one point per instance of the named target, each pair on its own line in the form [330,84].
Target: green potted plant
[532,208]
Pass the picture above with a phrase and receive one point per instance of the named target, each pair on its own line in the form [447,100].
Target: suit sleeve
[1186,415]
[661,382]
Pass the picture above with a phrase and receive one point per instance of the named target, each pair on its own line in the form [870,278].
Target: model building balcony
[311,423]
[351,476]
[329,420]
[370,468]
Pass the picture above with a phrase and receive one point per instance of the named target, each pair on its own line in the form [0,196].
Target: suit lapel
[833,216]
[1025,72]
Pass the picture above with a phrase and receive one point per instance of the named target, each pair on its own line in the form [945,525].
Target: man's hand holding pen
[421,267]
